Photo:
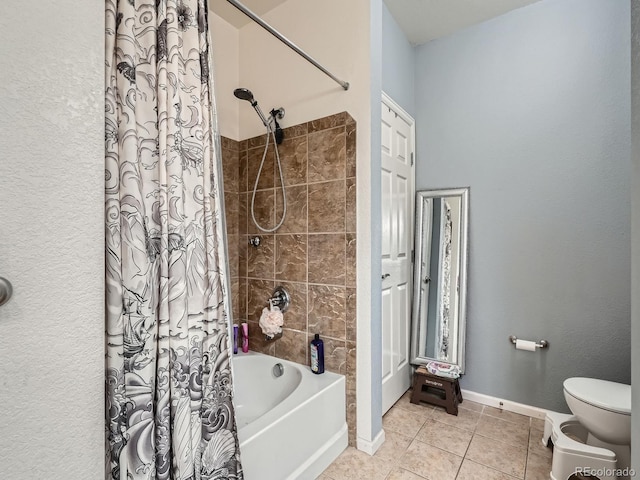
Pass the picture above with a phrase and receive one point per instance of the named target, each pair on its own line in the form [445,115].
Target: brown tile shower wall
[313,254]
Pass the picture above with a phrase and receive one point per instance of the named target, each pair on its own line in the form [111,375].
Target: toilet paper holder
[540,344]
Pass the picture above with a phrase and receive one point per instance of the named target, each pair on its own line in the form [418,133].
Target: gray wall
[635,232]
[532,111]
[398,63]
[52,240]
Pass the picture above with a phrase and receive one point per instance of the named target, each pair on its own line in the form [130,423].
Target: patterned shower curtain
[169,391]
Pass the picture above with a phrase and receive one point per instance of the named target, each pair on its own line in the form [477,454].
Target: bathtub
[290,426]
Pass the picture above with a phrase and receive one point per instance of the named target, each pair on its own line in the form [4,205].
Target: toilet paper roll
[527,345]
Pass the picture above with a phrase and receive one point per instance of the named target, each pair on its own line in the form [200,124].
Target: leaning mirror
[440,276]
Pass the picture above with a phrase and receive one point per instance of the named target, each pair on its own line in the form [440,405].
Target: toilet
[597,437]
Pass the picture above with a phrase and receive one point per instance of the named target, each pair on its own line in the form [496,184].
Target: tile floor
[424,442]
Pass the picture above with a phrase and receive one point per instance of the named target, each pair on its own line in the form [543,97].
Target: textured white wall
[532,110]
[370,270]
[51,240]
[336,34]
[226,72]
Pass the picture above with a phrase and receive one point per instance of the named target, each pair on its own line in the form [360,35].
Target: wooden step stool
[436,390]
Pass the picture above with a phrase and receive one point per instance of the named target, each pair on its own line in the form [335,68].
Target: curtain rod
[285,40]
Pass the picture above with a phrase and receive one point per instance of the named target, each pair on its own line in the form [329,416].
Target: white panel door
[397,243]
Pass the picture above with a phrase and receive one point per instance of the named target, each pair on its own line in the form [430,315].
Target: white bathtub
[289,427]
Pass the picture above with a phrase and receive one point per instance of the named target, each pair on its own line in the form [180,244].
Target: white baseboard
[371,446]
[507,405]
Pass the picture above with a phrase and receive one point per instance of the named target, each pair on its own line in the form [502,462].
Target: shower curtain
[169,411]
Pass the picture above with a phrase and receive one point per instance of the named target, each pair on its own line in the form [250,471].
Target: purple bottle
[317,355]
[235,338]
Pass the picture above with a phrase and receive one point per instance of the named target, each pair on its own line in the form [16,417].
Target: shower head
[245,94]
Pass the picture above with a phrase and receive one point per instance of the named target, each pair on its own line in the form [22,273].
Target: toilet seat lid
[612,396]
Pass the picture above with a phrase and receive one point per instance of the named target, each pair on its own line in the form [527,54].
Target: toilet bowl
[597,437]
[603,407]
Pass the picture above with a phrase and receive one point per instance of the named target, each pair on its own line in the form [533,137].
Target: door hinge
[412,159]
[413,256]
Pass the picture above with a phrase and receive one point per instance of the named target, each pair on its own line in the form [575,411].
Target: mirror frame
[420,232]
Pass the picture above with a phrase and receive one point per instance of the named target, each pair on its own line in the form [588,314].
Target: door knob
[5,290]
[386,275]
[427,279]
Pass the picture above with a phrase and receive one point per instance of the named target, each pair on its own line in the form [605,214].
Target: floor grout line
[396,461]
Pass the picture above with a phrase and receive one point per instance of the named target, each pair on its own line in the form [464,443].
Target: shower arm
[286,41]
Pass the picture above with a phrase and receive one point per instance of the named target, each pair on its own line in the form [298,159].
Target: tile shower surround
[313,254]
